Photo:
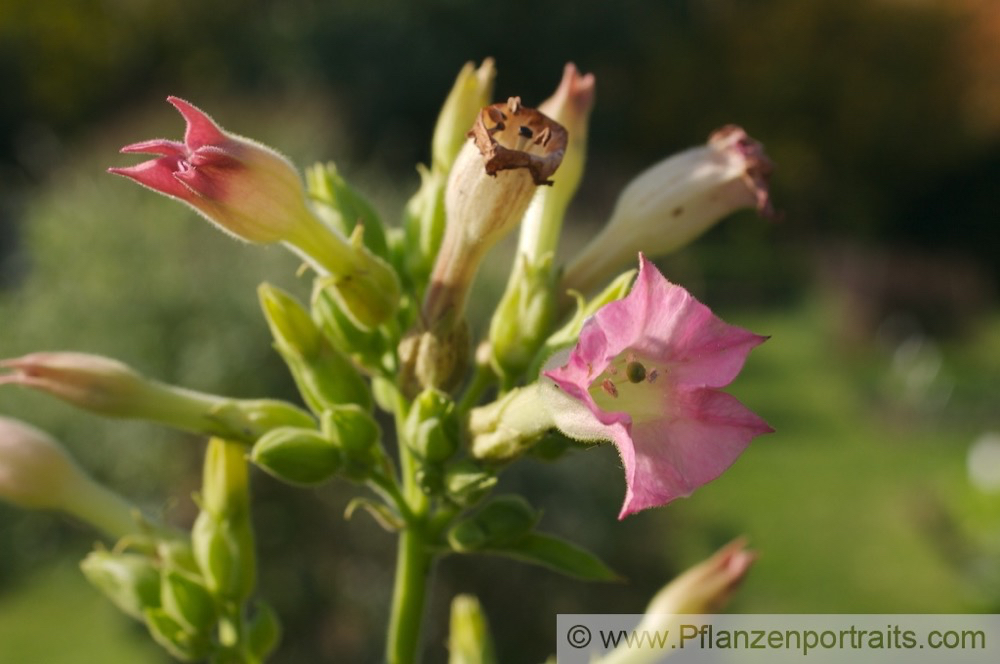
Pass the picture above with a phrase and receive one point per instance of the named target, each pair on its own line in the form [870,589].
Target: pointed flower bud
[570,106]
[344,208]
[240,185]
[466,482]
[512,150]
[298,456]
[469,640]
[431,428]
[368,348]
[675,201]
[186,599]
[222,536]
[130,580]
[36,472]
[704,588]
[254,193]
[523,316]
[325,377]
[472,90]
[113,389]
[356,434]
[263,631]
[499,523]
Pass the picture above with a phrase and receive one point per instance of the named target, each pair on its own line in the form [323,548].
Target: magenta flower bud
[673,202]
[240,185]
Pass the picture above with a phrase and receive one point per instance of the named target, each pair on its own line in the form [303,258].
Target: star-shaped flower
[647,369]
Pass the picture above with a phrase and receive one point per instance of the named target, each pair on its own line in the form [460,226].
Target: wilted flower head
[645,374]
[513,150]
[670,204]
[240,185]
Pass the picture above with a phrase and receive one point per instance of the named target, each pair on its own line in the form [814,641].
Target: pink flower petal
[673,429]
[201,129]
[159,175]
[157,146]
[671,458]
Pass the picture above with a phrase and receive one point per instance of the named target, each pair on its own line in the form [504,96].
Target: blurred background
[880,490]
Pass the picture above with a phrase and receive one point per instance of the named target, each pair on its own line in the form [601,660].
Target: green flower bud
[369,291]
[297,456]
[222,537]
[424,217]
[505,519]
[224,551]
[343,208]
[431,429]
[186,599]
[466,483]
[369,348]
[430,479]
[501,522]
[467,536]
[356,433]
[130,580]
[324,376]
[524,315]
[176,640]
[263,631]
[177,554]
[435,441]
[472,90]
[469,639]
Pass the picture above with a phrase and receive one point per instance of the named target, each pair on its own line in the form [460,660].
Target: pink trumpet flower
[647,370]
[242,186]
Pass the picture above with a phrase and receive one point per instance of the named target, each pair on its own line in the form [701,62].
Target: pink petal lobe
[663,321]
[669,458]
[201,129]
[157,146]
[158,175]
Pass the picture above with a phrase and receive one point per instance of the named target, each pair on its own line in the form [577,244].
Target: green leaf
[559,555]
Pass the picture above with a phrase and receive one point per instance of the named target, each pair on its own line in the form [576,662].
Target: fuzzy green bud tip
[469,639]
[291,325]
[472,90]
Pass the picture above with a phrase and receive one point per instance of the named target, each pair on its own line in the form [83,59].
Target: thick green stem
[413,559]
[413,565]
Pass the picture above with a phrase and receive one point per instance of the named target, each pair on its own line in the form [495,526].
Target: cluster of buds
[641,365]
